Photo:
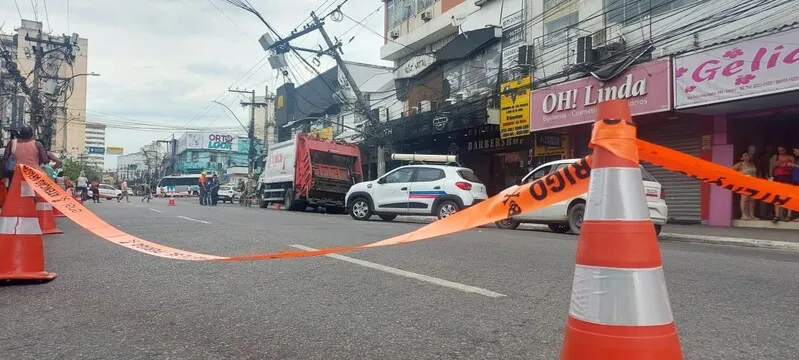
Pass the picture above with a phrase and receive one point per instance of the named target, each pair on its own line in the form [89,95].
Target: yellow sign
[279,104]
[114,150]
[514,108]
[324,133]
[548,144]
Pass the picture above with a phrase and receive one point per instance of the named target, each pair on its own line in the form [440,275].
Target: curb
[718,240]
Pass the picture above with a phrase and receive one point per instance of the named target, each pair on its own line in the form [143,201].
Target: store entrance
[761,137]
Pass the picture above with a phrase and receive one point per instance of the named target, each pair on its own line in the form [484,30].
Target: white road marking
[408,274]
[156,210]
[190,219]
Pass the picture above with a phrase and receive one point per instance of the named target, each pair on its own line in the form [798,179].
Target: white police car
[438,190]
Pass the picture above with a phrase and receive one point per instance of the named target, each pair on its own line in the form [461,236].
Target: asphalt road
[482,294]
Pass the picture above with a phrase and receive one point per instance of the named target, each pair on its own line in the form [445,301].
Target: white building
[95,144]
[131,166]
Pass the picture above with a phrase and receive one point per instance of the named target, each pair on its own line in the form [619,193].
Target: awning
[467,43]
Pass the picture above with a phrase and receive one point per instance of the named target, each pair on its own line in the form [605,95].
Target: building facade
[131,167]
[95,144]
[211,152]
[701,77]
[61,81]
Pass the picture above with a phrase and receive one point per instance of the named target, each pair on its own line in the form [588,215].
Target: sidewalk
[760,238]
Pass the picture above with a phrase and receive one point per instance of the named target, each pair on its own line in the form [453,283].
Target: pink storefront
[749,90]
[570,108]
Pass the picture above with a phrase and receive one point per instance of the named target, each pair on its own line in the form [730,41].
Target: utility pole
[334,50]
[250,129]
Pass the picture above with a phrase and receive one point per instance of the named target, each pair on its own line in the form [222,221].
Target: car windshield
[224,188]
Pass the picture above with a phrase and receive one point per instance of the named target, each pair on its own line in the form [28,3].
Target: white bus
[183,184]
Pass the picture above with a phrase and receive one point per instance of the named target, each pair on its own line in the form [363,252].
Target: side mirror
[381,180]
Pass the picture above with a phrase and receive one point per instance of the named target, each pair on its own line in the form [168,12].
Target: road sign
[95,150]
[114,150]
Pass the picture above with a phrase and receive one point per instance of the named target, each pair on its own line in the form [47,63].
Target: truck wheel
[288,200]
[360,209]
[576,214]
[263,204]
[559,228]
[509,223]
[387,217]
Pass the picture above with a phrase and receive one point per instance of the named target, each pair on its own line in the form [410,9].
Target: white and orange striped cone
[21,247]
[171,199]
[44,211]
[619,307]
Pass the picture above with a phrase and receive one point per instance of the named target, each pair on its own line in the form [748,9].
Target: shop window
[559,16]
[400,176]
[429,174]
[213,158]
[629,12]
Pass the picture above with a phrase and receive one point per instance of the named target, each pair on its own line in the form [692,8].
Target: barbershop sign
[414,66]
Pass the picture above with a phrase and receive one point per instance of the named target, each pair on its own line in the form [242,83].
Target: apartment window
[195,157]
[629,12]
[559,16]
[401,10]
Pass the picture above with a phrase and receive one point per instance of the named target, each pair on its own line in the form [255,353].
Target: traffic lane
[110,303]
[709,285]
[553,304]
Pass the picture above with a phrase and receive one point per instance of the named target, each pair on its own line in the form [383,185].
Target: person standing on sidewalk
[124,194]
[747,167]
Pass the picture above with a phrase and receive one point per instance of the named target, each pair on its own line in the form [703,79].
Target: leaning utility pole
[250,129]
[334,50]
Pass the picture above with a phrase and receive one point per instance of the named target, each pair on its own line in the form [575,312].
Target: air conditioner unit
[613,33]
[427,15]
[585,50]
[394,34]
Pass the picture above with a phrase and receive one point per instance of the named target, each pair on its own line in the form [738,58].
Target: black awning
[467,43]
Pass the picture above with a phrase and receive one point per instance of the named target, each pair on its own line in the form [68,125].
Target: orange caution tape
[553,188]
[768,191]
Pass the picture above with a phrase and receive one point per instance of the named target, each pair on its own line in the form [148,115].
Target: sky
[164,61]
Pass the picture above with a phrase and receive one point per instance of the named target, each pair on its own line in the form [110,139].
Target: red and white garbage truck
[309,171]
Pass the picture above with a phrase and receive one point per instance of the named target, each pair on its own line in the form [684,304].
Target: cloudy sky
[163,61]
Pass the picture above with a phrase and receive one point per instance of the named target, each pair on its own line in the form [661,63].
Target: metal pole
[363,104]
[251,136]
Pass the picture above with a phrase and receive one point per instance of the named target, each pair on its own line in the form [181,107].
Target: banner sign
[514,108]
[756,67]
[95,150]
[114,150]
[324,133]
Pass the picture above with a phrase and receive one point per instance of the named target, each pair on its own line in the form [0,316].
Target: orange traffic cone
[21,248]
[619,307]
[277,206]
[171,200]
[44,211]
[57,213]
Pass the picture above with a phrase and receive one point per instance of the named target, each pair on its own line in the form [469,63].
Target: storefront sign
[219,142]
[646,86]
[551,144]
[514,108]
[414,66]
[756,67]
[495,143]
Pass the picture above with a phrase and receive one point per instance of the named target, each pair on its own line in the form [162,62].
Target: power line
[18,11]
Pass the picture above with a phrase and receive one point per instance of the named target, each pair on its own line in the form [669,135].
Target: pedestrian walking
[95,187]
[147,193]
[124,188]
[214,189]
[203,189]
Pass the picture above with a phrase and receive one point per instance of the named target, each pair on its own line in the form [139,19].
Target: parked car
[567,216]
[438,190]
[107,192]
[228,193]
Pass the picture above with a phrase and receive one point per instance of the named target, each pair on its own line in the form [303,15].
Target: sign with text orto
[647,88]
[514,108]
[757,67]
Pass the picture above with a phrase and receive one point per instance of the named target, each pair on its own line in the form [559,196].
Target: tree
[72,169]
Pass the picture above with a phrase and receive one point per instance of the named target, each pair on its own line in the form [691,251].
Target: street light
[251,139]
[231,113]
